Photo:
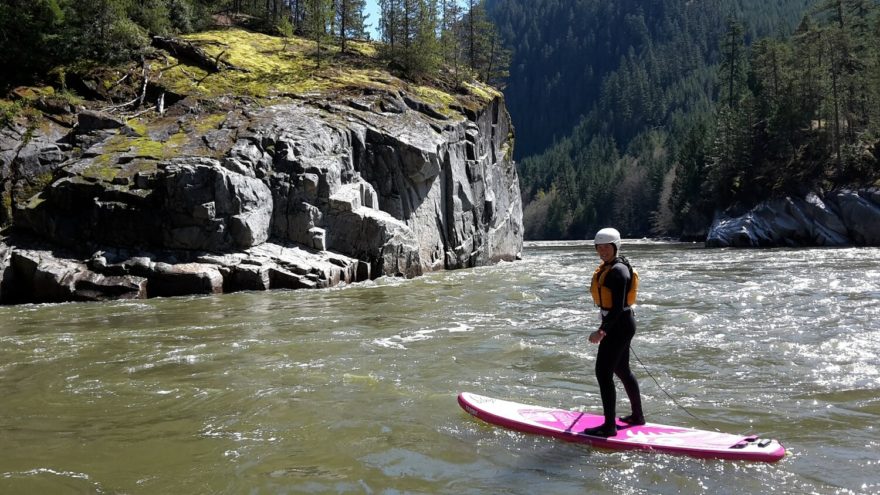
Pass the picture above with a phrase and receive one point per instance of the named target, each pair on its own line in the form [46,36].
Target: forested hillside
[681,107]
[43,41]
[569,55]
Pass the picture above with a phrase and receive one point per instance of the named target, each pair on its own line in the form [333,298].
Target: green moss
[101,169]
[104,170]
[363,48]
[208,123]
[143,147]
[178,139]
[137,126]
[271,66]
[482,91]
[9,110]
[147,148]
[34,93]
[117,144]
[71,98]
[265,67]
[440,100]
[20,108]
[139,146]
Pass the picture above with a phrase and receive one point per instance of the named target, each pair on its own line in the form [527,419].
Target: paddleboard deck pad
[569,426]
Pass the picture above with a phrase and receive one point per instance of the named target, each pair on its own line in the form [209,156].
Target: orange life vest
[602,294]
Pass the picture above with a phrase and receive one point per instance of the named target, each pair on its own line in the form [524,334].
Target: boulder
[184,279]
[860,212]
[245,276]
[91,286]
[841,218]
[93,120]
[40,276]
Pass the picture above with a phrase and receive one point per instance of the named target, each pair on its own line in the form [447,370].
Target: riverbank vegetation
[682,108]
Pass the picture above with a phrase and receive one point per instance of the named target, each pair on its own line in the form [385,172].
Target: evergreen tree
[451,35]
[318,17]
[30,32]
[688,200]
[808,51]
[152,15]
[420,34]
[351,20]
[389,23]
[481,45]
[733,64]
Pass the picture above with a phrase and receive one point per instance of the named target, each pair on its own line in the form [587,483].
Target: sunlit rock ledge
[839,218]
[301,191]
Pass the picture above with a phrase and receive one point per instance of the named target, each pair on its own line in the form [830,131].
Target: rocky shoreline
[839,218]
[304,193]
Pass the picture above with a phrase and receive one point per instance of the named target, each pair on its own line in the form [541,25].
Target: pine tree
[410,29]
[30,32]
[451,35]
[729,164]
[318,16]
[808,51]
[351,20]
[428,49]
[390,22]
[732,71]
[487,56]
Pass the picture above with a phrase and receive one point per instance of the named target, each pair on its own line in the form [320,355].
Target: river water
[353,389]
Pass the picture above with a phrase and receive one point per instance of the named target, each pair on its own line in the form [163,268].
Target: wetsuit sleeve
[617,281]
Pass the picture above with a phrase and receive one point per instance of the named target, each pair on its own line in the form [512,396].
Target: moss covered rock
[259,149]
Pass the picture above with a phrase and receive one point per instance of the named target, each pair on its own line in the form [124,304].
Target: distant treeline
[421,36]
[681,108]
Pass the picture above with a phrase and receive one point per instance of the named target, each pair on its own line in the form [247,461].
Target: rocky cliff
[839,218]
[217,192]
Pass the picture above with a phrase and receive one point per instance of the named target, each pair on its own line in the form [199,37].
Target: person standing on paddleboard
[614,288]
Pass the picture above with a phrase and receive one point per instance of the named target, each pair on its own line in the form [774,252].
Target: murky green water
[353,390]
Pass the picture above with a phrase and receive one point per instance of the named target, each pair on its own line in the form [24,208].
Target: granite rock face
[839,218]
[300,194]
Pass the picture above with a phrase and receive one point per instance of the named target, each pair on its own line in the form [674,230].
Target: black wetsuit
[613,355]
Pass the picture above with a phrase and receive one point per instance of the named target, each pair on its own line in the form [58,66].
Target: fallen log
[193,55]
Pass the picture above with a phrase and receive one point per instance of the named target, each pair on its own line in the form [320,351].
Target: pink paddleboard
[568,425]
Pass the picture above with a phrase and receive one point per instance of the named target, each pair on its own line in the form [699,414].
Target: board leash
[674,401]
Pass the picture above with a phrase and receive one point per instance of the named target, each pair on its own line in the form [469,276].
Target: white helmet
[608,235]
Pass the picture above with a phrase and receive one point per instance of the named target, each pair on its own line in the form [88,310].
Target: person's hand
[596,336]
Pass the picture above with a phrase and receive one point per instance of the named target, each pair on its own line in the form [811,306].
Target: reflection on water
[352,390]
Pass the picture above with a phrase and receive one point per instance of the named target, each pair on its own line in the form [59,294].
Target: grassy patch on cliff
[265,67]
[102,169]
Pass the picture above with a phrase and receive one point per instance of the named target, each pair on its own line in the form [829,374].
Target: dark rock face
[296,195]
[841,218]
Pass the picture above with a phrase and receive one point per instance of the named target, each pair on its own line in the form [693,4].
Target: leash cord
[633,351]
